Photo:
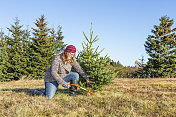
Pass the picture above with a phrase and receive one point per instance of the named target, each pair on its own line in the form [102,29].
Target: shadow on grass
[28,91]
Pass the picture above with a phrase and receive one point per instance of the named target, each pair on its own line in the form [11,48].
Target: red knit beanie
[71,48]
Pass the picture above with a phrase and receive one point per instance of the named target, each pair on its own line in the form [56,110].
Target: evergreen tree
[140,73]
[57,40]
[27,51]
[116,64]
[41,51]
[17,61]
[161,47]
[3,60]
[45,45]
[94,65]
[1,34]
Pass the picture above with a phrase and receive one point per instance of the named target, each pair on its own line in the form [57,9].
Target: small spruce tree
[141,72]
[94,65]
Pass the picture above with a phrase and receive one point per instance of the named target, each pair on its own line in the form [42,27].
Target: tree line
[27,54]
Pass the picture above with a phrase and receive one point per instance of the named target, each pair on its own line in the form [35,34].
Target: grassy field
[124,98]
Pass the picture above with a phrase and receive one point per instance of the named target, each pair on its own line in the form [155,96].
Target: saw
[82,88]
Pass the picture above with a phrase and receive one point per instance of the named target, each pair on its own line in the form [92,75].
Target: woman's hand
[87,81]
[88,84]
[68,85]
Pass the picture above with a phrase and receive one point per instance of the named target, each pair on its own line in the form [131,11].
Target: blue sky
[121,25]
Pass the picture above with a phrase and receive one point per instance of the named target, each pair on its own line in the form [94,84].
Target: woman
[59,73]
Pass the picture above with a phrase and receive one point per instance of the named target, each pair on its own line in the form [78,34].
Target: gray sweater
[58,70]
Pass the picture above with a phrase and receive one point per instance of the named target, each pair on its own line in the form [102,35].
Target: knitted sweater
[58,70]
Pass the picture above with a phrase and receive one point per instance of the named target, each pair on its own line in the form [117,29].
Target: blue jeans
[51,87]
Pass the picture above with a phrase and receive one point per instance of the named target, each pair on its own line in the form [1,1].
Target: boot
[73,89]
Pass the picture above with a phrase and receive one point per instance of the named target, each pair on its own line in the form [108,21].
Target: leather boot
[73,89]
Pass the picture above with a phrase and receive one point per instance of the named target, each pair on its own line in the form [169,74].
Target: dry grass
[126,98]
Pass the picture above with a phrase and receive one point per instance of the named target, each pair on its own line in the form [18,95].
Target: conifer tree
[57,40]
[17,61]
[27,50]
[116,64]
[3,59]
[140,73]
[45,45]
[94,65]
[41,52]
[161,47]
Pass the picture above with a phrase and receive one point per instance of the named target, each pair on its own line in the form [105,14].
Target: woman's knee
[75,75]
[49,96]
[50,89]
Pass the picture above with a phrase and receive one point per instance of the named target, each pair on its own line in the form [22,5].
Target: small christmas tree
[94,65]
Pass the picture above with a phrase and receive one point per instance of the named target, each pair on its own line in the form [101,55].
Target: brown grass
[125,97]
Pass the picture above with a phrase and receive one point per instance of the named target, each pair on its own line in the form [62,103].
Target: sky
[122,26]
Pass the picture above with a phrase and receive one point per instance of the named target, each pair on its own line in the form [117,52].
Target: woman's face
[70,55]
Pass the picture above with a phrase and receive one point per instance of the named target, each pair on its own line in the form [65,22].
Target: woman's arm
[80,70]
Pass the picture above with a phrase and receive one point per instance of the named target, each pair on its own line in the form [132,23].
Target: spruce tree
[17,61]
[116,64]
[94,65]
[57,40]
[46,43]
[161,47]
[3,59]
[140,73]
[41,52]
[27,51]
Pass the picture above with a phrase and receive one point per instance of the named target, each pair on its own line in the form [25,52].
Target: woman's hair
[65,57]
